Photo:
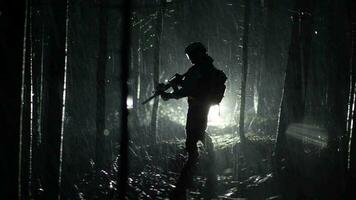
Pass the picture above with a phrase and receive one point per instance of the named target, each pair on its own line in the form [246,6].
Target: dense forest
[75,73]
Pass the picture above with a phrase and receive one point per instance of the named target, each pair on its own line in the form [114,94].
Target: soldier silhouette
[195,85]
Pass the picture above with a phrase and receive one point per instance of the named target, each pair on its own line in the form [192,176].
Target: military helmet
[195,47]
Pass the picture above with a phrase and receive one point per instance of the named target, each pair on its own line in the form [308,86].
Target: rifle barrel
[149,99]
[164,87]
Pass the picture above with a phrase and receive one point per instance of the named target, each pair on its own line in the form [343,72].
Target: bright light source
[217,116]
[176,111]
[129,102]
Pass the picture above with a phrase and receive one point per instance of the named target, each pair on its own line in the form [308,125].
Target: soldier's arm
[188,87]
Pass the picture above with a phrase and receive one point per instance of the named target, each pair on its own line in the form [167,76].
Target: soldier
[195,85]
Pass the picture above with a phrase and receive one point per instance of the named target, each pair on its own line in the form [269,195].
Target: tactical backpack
[217,89]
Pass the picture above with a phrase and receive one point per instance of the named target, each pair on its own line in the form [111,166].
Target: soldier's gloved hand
[179,77]
[165,96]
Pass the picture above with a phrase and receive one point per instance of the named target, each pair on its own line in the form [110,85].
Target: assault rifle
[173,82]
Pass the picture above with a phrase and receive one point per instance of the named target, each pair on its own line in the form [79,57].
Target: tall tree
[135,74]
[135,58]
[14,106]
[25,118]
[156,68]
[11,41]
[244,70]
[352,129]
[293,99]
[100,152]
[125,62]
[352,148]
[292,106]
[56,13]
[38,60]
[276,33]
[337,55]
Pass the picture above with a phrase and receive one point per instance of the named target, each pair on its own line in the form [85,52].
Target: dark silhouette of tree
[12,42]
[156,67]
[135,68]
[352,113]
[244,70]
[55,73]
[125,62]
[101,154]
[14,26]
[293,101]
[292,106]
[304,99]
[37,76]
[275,38]
[338,91]
[25,116]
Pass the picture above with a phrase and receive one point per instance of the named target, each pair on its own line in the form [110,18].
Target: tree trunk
[276,33]
[244,71]
[352,150]
[156,72]
[55,75]
[101,155]
[250,88]
[292,108]
[293,101]
[31,105]
[135,74]
[266,90]
[38,75]
[26,133]
[125,64]
[338,91]
[12,37]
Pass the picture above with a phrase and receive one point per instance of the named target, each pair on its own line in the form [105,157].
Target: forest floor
[243,171]
[245,174]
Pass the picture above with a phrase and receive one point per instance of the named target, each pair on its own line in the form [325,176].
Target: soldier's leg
[186,177]
[195,127]
[211,168]
[208,144]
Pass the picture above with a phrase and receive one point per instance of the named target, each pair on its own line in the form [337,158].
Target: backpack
[217,89]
